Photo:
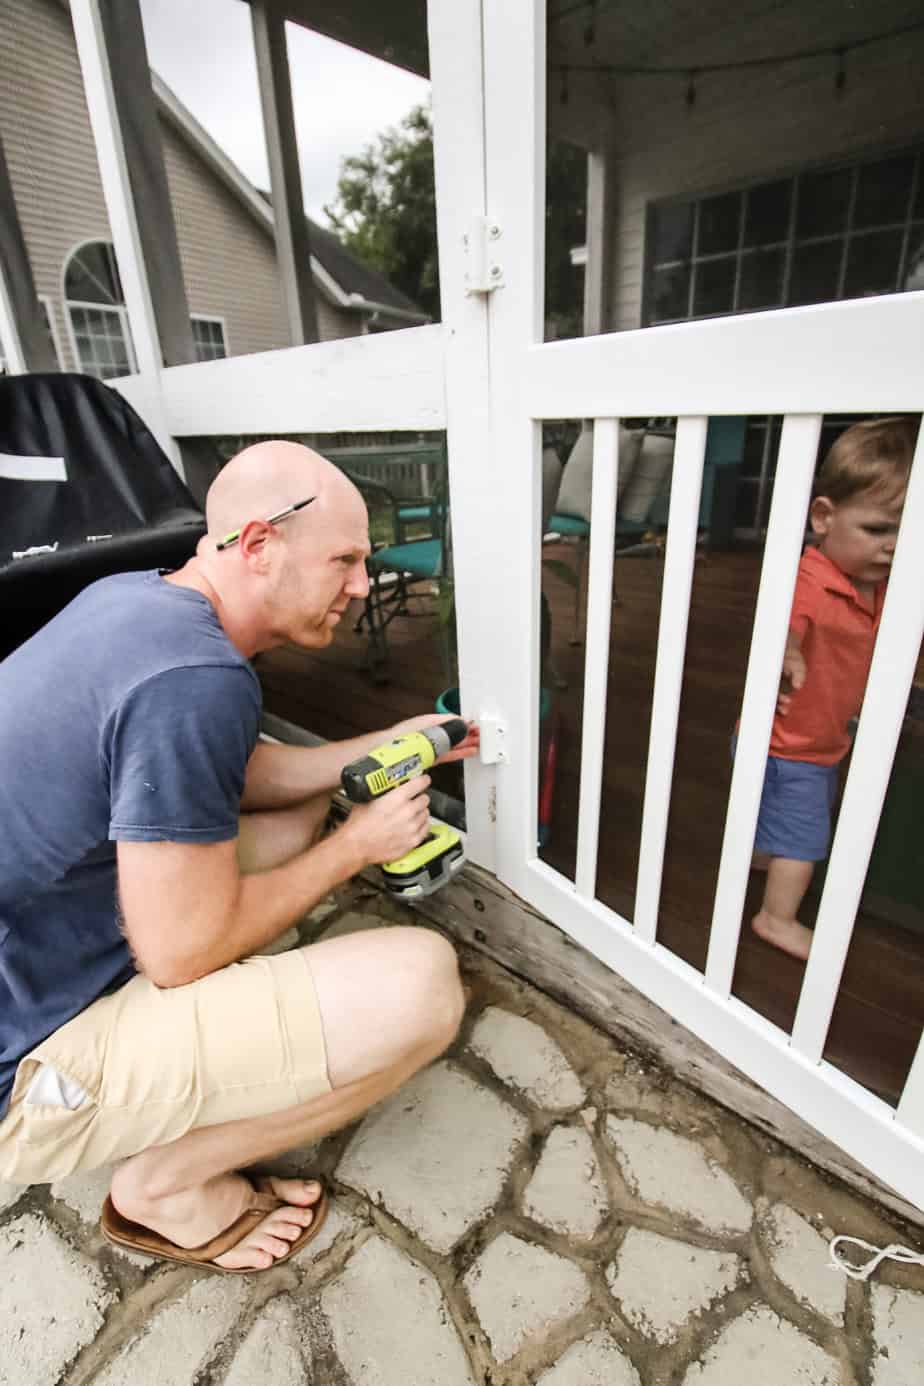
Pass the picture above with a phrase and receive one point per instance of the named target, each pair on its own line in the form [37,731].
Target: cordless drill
[439,856]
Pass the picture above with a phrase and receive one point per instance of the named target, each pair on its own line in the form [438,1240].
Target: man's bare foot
[786,934]
[194,1216]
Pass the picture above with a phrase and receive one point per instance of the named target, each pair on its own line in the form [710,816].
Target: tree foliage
[385,213]
[385,208]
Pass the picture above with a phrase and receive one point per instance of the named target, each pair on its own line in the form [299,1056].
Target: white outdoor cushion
[551,480]
[650,474]
[574,492]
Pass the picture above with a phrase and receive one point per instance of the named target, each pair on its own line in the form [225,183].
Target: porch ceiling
[684,33]
[395,31]
[694,33]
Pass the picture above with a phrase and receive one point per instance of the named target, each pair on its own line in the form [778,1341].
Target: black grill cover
[118,483]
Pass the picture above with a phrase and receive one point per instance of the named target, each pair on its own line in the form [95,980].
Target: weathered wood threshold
[478,910]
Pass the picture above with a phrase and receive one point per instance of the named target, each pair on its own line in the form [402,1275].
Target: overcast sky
[203,49]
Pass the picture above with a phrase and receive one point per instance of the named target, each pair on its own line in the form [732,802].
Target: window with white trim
[209,338]
[96,312]
[812,237]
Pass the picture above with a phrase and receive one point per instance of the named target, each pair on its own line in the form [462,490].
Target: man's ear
[253,542]
[821,513]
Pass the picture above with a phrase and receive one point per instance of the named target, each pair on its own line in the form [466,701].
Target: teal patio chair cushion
[568,524]
[422,559]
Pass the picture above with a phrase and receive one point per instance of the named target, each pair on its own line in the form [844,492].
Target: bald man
[152,845]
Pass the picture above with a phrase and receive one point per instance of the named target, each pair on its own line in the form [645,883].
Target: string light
[837,51]
[590,30]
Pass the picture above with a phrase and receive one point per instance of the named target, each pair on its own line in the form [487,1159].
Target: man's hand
[464,750]
[793,676]
[392,825]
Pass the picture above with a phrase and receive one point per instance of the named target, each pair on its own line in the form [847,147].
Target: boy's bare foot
[786,934]
[195,1216]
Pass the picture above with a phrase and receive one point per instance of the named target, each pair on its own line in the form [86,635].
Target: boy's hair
[871,456]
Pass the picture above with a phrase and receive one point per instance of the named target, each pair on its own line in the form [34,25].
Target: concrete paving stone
[800,1258]
[84,1193]
[337,1223]
[524,1056]
[660,1283]
[274,1351]
[389,1324]
[520,1291]
[52,1302]
[437,1154]
[352,922]
[760,1346]
[898,1334]
[9,1194]
[175,1344]
[595,1361]
[668,1170]
[567,1192]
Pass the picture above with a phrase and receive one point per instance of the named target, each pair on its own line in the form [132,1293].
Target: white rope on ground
[877,1254]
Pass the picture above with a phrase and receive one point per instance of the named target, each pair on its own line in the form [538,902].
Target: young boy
[858,498]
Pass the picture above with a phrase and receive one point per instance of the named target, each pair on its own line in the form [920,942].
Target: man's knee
[428,989]
[442,998]
[387,997]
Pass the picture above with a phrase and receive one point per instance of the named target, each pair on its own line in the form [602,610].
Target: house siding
[228,260]
[49,149]
[747,126]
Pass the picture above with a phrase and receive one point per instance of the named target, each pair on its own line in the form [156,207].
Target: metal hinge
[483,272]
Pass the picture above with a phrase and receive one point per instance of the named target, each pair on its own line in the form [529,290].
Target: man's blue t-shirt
[129,717]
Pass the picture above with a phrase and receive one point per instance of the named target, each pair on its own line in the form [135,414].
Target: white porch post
[23,337]
[458,146]
[90,36]
[293,249]
[514,68]
[601,195]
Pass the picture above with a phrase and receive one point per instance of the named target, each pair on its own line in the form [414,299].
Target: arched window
[96,309]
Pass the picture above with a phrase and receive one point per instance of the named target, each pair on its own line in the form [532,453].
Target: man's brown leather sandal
[131,1236]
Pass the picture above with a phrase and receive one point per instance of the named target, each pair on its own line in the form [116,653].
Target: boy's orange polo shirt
[837,632]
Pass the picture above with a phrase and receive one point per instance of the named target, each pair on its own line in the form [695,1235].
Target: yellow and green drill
[439,856]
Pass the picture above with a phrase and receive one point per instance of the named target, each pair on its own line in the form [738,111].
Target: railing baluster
[791,491]
[597,646]
[884,702]
[911,1107]
[686,486]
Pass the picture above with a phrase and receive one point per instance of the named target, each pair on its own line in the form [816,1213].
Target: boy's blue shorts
[795,809]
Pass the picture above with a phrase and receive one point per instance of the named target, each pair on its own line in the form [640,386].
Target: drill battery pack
[428,866]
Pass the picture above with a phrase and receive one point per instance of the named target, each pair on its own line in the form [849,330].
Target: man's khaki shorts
[155,1063]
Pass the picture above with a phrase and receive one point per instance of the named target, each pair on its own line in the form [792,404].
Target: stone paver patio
[539,1208]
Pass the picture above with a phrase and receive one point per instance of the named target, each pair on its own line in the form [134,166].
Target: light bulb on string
[590,29]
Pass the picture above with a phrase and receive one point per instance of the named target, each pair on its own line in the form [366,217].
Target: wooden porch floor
[880,1010]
